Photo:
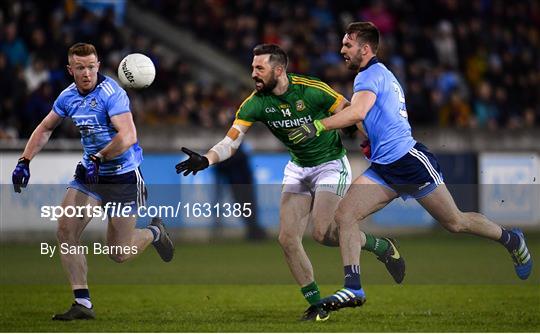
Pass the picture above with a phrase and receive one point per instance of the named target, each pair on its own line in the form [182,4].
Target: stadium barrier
[509,192]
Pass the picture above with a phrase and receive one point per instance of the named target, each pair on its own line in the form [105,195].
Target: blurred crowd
[468,64]
[462,63]
[34,40]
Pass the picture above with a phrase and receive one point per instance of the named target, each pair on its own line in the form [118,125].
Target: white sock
[157,233]
[84,302]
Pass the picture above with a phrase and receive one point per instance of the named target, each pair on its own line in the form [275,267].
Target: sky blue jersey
[386,122]
[92,113]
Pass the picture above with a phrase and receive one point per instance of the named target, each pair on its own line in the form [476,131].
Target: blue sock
[82,297]
[510,240]
[352,277]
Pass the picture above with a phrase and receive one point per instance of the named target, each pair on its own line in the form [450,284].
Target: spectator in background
[38,45]
[380,16]
[448,81]
[37,107]
[434,47]
[485,110]
[6,104]
[13,46]
[445,45]
[531,117]
[323,14]
[501,100]
[456,111]
[36,74]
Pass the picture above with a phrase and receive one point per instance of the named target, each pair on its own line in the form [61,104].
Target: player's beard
[354,62]
[267,87]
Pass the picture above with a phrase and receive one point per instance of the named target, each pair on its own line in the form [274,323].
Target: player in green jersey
[315,179]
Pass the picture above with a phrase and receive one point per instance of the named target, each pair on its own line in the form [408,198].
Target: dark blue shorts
[416,174]
[126,189]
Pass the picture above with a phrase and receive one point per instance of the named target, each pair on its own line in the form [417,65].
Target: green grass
[276,308]
[453,283]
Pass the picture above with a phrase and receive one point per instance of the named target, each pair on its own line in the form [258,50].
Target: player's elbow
[131,141]
[128,139]
[43,130]
[359,116]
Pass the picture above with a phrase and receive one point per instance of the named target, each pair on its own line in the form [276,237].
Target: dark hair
[277,55]
[366,32]
[82,49]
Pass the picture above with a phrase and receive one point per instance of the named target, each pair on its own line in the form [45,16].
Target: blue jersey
[386,122]
[92,113]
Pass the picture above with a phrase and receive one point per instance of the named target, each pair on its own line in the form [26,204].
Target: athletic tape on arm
[224,149]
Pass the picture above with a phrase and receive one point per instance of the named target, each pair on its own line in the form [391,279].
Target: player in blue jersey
[400,166]
[108,173]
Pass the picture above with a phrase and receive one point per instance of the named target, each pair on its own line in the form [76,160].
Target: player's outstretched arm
[38,139]
[193,164]
[220,152]
[41,135]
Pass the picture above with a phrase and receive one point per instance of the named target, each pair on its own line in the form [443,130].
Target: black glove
[92,171]
[21,174]
[195,163]
[306,131]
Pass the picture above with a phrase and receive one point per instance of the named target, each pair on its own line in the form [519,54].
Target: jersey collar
[100,79]
[372,61]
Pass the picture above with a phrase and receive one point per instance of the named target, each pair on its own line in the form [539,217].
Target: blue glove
[92,171]
[21,174]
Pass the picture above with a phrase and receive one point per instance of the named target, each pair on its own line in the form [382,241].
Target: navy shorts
[126,189]
[416,174]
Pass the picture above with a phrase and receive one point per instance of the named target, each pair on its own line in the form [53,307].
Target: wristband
[319,126]
[24,160]
[98,157]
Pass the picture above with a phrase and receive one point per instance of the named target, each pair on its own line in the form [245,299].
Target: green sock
[311,293]
[376,245]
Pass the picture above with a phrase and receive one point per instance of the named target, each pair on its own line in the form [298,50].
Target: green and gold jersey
[305,100]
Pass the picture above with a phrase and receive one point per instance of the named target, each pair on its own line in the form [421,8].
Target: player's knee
[289,241]
[318,235]
[119,258]
[344,218]
[326,236]
[319,229]
[65,234]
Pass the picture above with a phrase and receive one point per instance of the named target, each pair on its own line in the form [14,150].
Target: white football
[136,71]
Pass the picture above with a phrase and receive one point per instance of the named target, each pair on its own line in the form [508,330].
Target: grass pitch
[453,283]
